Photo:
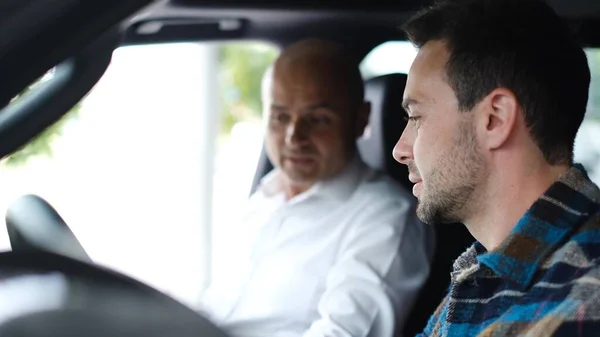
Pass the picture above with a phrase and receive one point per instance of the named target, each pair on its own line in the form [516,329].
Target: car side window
[147,165]
[397,56]
[387,58]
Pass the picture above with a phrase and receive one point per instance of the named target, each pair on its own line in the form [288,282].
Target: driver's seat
[385,128]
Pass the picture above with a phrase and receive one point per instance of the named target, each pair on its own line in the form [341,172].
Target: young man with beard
[494,100]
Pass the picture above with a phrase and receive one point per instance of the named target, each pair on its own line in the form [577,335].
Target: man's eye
[414,120]
[279,117]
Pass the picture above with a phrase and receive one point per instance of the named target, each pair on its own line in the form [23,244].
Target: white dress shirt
[345,258]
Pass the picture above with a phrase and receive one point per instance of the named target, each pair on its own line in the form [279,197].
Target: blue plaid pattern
[543,280]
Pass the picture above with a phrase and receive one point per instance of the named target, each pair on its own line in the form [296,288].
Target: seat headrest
[386,125]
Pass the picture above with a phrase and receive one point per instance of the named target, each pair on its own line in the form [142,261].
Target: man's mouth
[300,160]
[417,188]
[414,178]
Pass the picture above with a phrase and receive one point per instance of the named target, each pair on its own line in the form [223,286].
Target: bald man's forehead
[302,91]
[303,80]
[323,76]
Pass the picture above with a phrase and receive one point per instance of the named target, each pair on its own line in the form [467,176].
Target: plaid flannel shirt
[543,280]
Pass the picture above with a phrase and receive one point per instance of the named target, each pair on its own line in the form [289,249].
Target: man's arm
[381,267]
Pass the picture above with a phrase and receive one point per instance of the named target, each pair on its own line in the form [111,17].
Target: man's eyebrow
[320,105]
[406,103]
[323,105]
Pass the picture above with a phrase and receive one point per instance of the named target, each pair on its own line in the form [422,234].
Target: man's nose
[403,151]
[296,132]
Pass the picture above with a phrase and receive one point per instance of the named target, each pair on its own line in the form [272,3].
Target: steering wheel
[34,225]
[46,294]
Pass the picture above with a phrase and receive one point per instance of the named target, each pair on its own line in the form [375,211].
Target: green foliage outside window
[42,143]
[242,66]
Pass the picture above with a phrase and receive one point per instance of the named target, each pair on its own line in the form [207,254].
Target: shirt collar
[564,207]
[338,188]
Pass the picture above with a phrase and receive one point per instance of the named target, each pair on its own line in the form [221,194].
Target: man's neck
[507,197]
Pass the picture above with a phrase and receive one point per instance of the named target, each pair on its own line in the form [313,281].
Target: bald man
[329,246]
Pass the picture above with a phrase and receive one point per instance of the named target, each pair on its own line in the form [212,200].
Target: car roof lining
[356,29]
[567,8]
[360,25]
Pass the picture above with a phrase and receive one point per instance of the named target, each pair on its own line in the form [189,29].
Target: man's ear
[362,118]
[498,118]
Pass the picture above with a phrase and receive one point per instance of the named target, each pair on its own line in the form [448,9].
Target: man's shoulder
[581,252]
[588,236]
[562,302]
[568,301]
[571,275]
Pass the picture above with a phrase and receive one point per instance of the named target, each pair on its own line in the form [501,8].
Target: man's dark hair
[520,45]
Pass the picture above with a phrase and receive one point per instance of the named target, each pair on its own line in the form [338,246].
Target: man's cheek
[420,156]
